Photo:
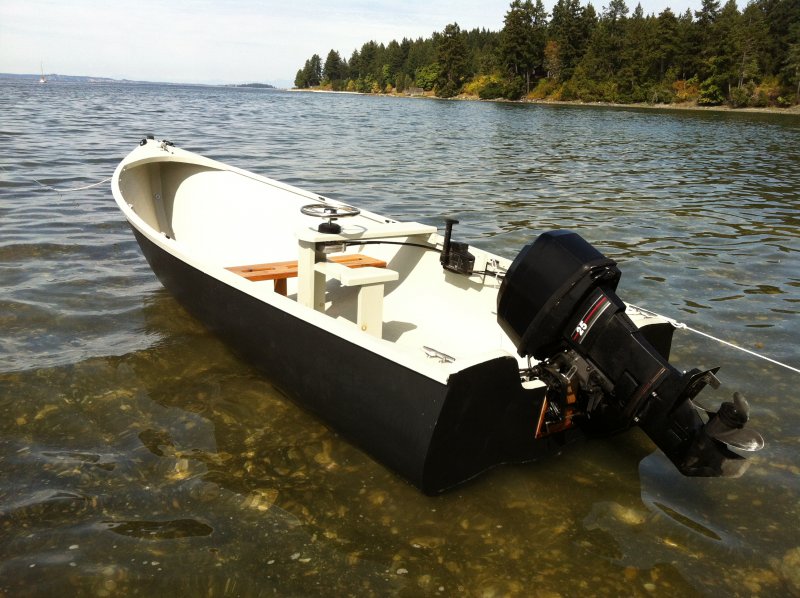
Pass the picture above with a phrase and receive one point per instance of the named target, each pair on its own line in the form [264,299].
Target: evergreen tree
[667,46]
[783,24]
[421,54]
[791,70]
[571,32]
[704,42]
[333,70]
[603,58]
[312,71]
[726,47]
[687,61]
[451,55]
[586,25]
[638,71]
[752,44]
[707,15]
[370,63]
[483,51]
[354,65]
[300,79]
[614,29]
[394,61]
[522,39]
[539,22]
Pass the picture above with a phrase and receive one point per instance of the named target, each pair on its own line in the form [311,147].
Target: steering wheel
[321,210]
[330,213]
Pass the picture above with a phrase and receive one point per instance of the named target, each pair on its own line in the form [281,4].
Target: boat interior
[394,286]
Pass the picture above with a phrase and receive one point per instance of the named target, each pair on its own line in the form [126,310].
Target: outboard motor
[558,304]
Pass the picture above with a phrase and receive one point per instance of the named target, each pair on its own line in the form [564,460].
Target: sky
[232,41]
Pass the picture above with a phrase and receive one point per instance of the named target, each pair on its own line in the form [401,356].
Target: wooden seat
[370,281]
[278,272]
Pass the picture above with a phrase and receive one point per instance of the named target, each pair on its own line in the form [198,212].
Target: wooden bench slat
[271,271]
[280,271]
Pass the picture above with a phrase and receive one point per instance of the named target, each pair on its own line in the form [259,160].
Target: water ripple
[125,421]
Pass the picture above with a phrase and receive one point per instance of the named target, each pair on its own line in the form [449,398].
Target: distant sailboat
[41,78]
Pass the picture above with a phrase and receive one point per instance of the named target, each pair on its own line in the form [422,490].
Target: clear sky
[231,41]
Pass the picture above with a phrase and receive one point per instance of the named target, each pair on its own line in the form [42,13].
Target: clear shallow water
[138,455]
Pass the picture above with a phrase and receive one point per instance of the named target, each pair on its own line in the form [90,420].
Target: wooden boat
[438,359]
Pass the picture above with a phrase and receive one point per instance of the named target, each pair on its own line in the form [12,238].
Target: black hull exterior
[434,435]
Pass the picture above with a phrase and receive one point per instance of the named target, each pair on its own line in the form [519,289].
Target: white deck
[229,220]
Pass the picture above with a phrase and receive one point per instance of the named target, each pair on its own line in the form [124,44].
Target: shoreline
[791,111]
[687,106]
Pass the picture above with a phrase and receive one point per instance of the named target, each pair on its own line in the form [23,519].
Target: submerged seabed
[138,455]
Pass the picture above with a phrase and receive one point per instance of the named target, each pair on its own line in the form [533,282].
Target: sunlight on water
[139,455]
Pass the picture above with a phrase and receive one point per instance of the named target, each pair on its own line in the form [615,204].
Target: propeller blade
[701,407]
[740,438]
[727,425]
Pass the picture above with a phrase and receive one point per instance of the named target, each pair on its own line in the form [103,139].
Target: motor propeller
[727,425]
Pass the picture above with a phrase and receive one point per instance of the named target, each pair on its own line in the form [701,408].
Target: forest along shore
[714,56]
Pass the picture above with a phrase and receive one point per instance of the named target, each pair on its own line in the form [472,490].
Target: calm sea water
[138,455]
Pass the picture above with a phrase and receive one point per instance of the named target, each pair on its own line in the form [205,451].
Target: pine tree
[451,55]
[687,61]
[370,64]
[638,70]
[300,79]
[604,55]
[783,24]
[333,70]
[522,39]
[395,59]
[727,47]
[753,42]
[571,31]
[792,68]
[312,71]
[667,47]
[354,65]
[704,41]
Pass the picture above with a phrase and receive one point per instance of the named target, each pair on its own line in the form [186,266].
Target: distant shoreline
[687,106]
[58,78]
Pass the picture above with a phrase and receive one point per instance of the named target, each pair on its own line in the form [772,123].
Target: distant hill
[255,85]
[54,77]
[70,78]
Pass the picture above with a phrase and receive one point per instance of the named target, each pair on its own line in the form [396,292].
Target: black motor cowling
[558,304]
[545,284]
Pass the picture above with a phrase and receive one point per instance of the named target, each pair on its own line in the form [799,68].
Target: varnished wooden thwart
[280,271]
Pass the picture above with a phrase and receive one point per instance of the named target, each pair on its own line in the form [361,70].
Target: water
[139,456]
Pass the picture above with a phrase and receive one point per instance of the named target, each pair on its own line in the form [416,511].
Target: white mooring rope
[683,326]
[59,191]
